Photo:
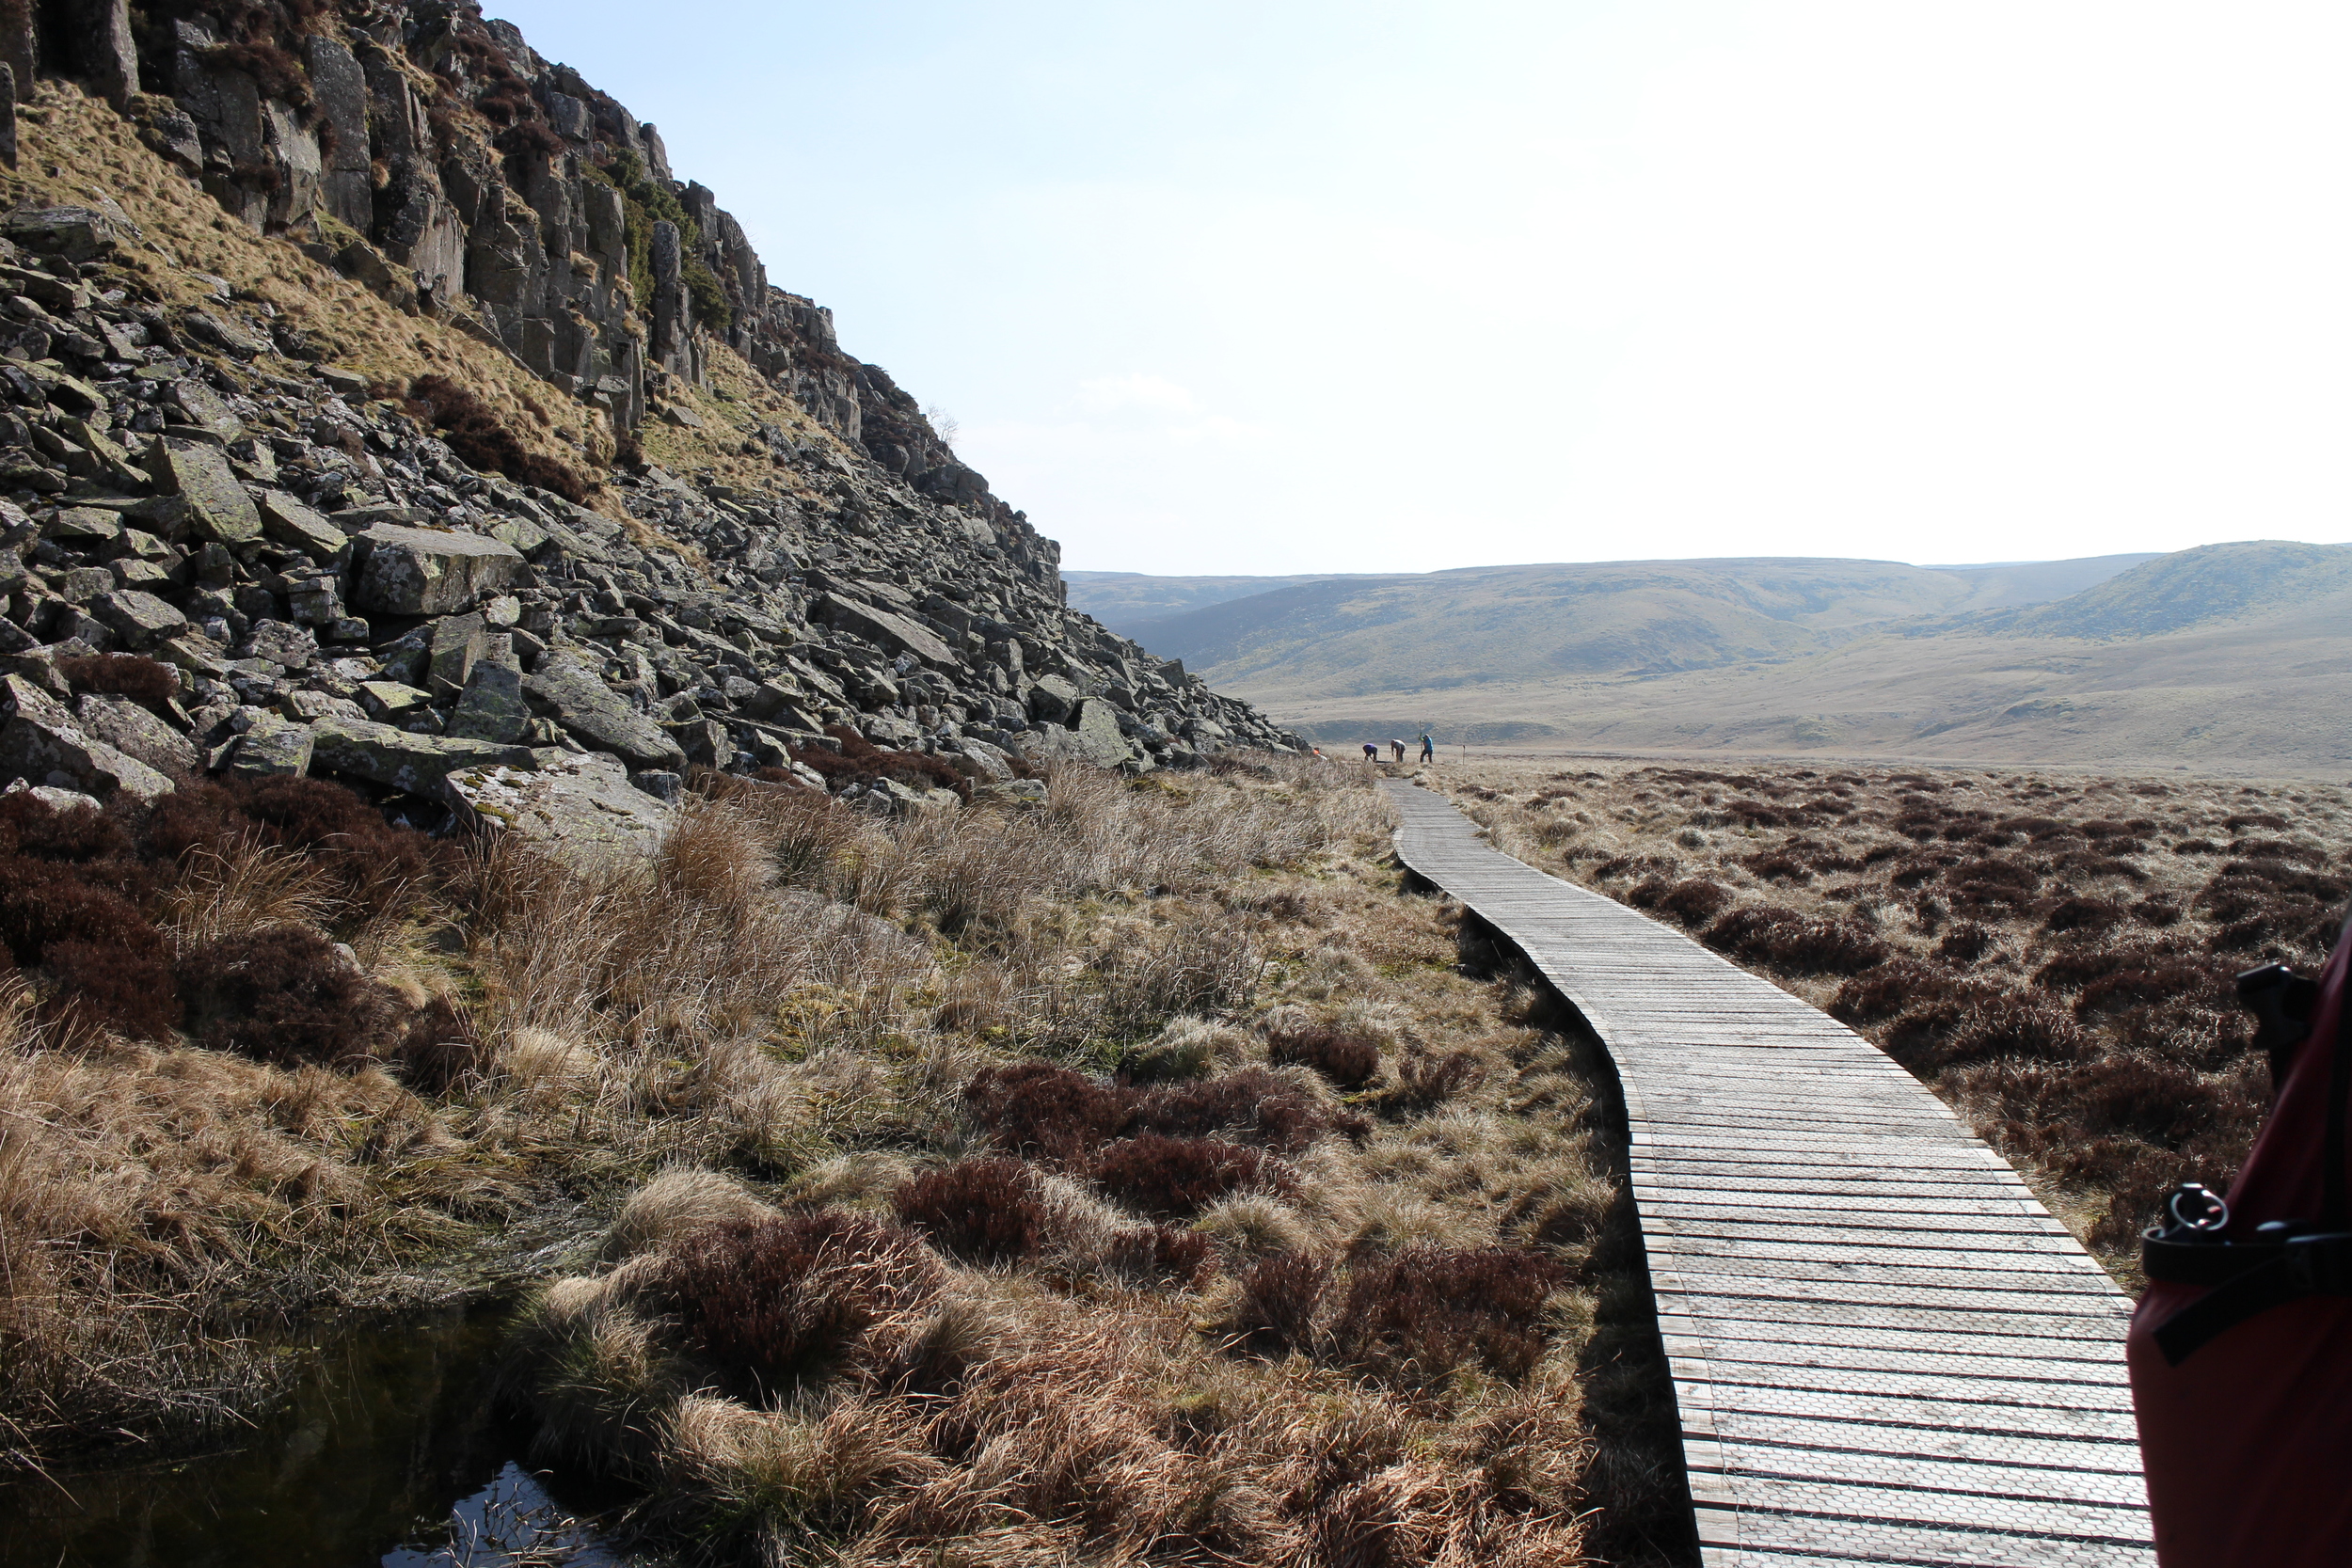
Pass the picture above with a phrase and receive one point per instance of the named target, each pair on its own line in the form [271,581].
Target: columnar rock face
[439,157]
[342,593]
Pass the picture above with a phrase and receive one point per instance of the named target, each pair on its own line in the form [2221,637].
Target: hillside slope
[376,533]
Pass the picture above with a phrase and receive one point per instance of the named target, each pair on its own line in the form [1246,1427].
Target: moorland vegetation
[1137,1176]
[2052,953]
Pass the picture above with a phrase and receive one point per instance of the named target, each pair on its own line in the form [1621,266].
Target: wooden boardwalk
[1885,1349]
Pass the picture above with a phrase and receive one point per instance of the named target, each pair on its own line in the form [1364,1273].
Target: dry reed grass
[772,1024]
[1087,1383]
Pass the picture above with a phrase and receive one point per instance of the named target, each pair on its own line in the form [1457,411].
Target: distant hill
[1121,599]
[1446,629]
[2226,653]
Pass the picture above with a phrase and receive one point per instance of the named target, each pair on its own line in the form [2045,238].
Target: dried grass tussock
[2051,953]
[1139,1176]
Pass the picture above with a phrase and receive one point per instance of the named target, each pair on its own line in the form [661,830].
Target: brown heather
[2051,953]
[1142,1177]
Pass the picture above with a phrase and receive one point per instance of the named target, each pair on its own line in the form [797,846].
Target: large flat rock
[579,807]
[199,474]
[886,628]
[415,763]
[587,708]
[417,571]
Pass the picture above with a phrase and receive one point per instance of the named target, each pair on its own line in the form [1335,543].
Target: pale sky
[1295,285]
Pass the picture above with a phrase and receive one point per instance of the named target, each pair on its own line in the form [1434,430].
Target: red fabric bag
[2247,1441]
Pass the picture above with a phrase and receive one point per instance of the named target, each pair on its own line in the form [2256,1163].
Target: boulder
[139,619]
[977,759]
[75,233]
[218,508]
[584,706]
[288,522]
[1056,745]
[458,643]
[414,571]
[392,703]
[415,763]
[282,643]
[583,809]
[42,744]
[1098,726]
[491,707]
[137,733]
[273,748]
[1052,700]
[64,800]
[886,629]
[206,409]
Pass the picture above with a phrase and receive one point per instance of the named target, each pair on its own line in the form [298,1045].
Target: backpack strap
[2247,1278]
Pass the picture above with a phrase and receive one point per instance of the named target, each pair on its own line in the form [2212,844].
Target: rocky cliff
[464,450]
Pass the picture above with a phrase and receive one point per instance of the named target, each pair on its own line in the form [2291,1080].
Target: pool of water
[386,1454]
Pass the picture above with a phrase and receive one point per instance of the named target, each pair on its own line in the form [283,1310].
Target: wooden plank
[1885,1349]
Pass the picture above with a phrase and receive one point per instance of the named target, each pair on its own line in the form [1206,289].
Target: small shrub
[1160,1255]
[1794,942]
[1967,941]
[105,984]
[860,761]
[283,994]
[1349,1061]
[1173,1177]
[2016,1026]
[526,138]
[76,837]
[440,1047]
[2279,850]
[1036,1108]
[142,680]
[2084,914]
[275,73]
[774,1302]
[1694,902]
[372,862]
[42,902]
[1278,1301]
[983,1210]
[1888,991]
[1252,1104]
[475,433]
[2130,987]
[1416,1317]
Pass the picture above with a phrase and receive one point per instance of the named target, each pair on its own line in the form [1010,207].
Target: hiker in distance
[1398,748]
[1428,747]
[1371,751]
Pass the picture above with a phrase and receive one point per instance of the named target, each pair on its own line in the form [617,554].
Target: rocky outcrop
[341,593]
